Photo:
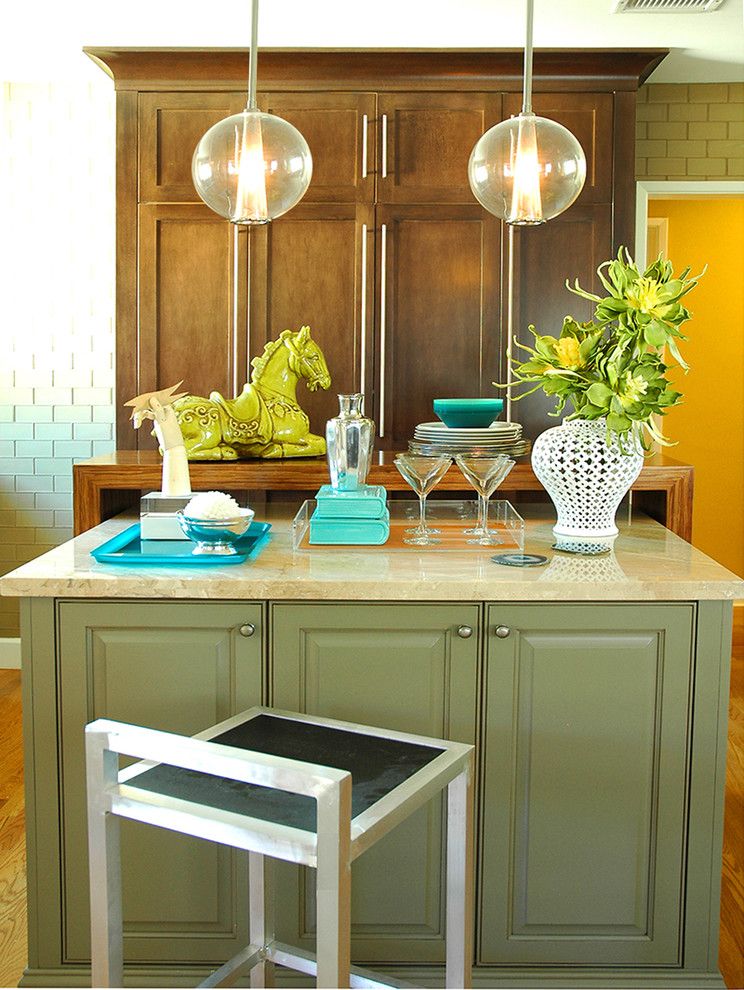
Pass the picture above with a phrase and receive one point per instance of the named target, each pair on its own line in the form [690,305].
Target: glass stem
[482,513]
[422,513]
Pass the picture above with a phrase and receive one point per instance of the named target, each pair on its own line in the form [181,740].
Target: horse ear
[303,335]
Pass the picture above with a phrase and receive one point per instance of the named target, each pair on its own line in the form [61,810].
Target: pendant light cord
[527,91]
[253,66]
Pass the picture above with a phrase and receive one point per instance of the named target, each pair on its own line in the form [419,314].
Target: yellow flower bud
[567,352]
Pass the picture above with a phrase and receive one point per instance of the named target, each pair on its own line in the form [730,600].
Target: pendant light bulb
[526,202]
[252,167]
[527,169]
[251,202]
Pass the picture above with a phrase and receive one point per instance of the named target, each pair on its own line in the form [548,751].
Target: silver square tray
[452,517]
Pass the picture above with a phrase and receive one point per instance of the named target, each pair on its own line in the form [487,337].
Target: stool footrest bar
[305,962]
[228,973]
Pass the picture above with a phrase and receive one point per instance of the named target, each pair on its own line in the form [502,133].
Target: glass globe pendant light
[527,169]
[252,167]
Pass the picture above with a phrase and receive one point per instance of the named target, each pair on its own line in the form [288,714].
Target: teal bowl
[468,413]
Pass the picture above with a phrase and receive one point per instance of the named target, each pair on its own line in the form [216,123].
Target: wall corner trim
[10,654]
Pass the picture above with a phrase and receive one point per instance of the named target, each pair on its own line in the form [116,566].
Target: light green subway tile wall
[690,131]
[57,199]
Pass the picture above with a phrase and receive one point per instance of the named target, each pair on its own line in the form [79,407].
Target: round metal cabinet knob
[247,630]
[464,632]
[502,631]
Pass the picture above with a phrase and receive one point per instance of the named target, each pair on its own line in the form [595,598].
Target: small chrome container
[216,536]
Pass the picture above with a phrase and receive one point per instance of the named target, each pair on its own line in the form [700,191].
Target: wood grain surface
[106,485]
[731,944]
[12,837]
[12,848]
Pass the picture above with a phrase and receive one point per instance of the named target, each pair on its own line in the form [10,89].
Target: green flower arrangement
[612,366]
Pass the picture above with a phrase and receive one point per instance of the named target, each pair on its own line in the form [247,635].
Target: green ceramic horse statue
[265,420]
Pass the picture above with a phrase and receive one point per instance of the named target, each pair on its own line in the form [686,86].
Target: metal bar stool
[351,785]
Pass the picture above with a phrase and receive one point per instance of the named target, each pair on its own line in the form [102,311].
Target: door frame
[647,189]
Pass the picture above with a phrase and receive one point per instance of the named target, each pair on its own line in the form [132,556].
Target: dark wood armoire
[404,279]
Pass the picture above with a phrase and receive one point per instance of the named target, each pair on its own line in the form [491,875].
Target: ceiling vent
[664,6]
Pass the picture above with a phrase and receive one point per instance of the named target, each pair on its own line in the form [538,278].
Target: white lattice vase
[585,478]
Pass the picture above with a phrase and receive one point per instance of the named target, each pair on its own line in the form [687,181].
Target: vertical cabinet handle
[383,327]
[247,629]
[384,146]
[365,123]
[363,314]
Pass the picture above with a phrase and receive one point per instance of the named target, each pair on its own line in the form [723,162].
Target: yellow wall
[710,424]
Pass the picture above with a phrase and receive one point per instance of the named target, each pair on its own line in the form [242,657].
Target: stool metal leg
[261,915]
[333,891]
[107,939]
[459,934]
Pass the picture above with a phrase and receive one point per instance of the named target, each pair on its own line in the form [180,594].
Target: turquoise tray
[126,548]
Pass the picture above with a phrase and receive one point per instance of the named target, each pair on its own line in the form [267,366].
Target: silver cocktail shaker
[349,439]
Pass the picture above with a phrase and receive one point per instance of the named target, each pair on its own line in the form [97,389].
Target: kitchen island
[595,691]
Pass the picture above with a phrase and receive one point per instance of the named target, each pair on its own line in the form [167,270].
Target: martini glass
[422,474]
[485,474]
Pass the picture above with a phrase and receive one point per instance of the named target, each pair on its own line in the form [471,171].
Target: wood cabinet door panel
[171,126]
[589,117]
[426,140]
[571,246]
[399,667]
[316,267]
[339,128]
[171,667]
[438,333]
[192,321]
[584,784]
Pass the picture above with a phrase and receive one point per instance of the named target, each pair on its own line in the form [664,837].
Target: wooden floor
[13,861]
[12,841]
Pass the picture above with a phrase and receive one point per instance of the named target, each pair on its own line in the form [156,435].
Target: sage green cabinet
[402,667]
[173,666]
[584,773]
[600,732]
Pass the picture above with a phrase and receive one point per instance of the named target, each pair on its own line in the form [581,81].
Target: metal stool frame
[338,840]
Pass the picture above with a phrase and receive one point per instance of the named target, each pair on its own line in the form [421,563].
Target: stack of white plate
[498,438]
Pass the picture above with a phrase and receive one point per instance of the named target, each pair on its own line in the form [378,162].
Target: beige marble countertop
[647,563]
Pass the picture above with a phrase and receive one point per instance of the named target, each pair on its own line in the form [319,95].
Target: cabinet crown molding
[374,69]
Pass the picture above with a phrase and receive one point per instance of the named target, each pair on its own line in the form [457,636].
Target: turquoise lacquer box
[358,517]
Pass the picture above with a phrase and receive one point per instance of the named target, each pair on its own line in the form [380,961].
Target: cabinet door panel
[192,321]
[589,117]
[316,267]
[334,126]
[571,246]
[171,126]
[400,667]
[172,667]
[426,140]
[584,784]
[438,329]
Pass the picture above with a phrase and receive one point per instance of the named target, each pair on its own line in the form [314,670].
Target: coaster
[520,559]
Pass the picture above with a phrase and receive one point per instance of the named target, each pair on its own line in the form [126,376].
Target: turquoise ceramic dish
[468,413]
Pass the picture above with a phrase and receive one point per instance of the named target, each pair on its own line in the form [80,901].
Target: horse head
[306,358]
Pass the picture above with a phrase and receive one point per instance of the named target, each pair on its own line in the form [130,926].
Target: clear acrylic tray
[451,517]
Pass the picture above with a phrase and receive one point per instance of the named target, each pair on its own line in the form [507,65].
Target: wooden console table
[104,486]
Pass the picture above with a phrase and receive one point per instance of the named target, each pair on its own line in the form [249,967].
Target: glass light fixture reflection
[527,169]
[252,167]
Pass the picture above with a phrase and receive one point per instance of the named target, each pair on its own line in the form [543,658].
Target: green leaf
[655,334]
[676,355]
[599,394]
[618,423]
